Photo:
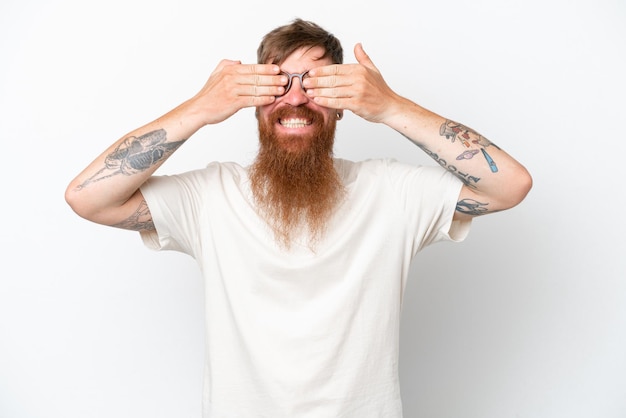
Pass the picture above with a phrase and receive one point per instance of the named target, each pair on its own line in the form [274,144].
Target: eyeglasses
[301,76]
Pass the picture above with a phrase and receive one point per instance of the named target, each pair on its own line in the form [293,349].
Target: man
[304,256]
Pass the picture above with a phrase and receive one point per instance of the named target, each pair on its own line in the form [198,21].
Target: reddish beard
[293,179]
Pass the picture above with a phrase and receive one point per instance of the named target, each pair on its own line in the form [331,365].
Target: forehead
[304,59]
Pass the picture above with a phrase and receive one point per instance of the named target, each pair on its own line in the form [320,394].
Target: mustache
[297,112]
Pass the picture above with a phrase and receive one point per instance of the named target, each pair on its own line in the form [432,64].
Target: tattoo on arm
[455,131]
[466,178]
[141,220]
[135,155]
[472,207]
[472,144]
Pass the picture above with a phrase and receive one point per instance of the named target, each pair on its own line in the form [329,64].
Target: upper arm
[133,215]
[472,202]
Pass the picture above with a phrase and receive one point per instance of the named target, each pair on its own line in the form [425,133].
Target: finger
[262,85]
[254,101]
[260,69]
[320,81]
[271,80]
[330,92]
[326,70]
[225,63]
[258,91]
[362,57]
[252,98]
[332,102]
[327,78]
[257,77]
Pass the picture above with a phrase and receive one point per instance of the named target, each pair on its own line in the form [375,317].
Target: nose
[296,95]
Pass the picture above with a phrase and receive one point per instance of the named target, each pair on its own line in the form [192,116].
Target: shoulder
[215,171]
[390,176]
[382,168]
[224,168]
[198,179]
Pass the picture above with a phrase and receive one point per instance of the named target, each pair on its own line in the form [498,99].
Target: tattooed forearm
[472,207]
[467,179]
[141,220]
[472,144]
[468,138]
[135,155]
[456,131]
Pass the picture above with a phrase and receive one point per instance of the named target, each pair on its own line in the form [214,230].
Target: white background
[526,318]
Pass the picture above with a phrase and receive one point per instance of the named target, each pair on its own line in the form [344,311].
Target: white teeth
[294,123]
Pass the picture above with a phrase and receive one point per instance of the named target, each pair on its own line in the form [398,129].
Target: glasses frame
[290,82]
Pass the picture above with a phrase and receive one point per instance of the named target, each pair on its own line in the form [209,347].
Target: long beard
[293,179]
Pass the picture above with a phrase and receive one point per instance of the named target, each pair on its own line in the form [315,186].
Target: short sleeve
[428,197]
[174,203]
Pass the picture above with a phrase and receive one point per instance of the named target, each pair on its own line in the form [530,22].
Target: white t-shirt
[302,333]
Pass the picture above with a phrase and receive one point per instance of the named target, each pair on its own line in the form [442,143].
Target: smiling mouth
[294,122]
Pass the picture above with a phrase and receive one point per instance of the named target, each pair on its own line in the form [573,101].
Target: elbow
[97,205]
[79,202]
[72,198]
[528,183]
[518,188]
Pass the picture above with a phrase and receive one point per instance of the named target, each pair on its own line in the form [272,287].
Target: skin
[297,63]
[107,191]
[361,89]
